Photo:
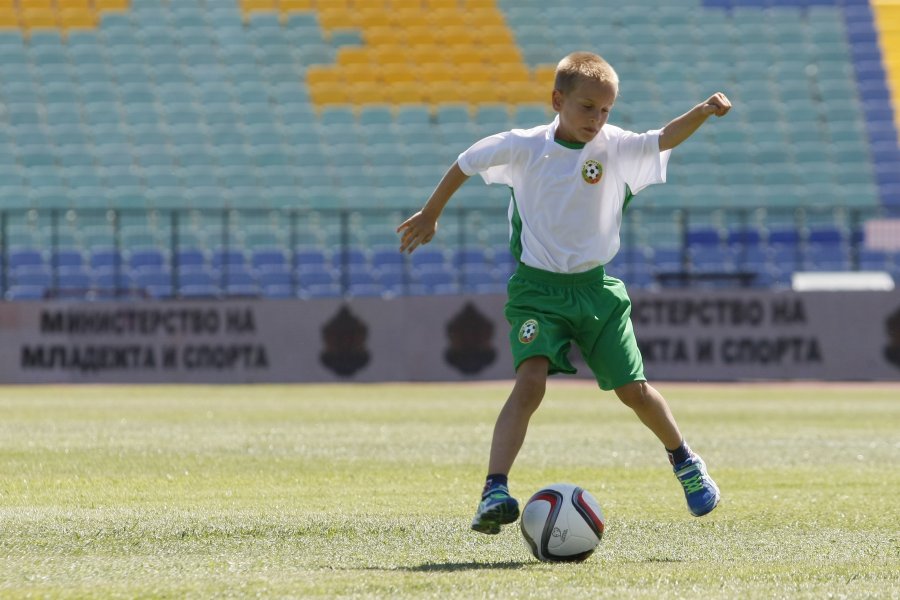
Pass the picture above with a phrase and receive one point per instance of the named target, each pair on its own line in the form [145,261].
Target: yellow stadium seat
[332,18]
[9,19]
[484,17]
[39,18]
[423,53]
[74,4]
[374,17]
[442,4]
[398,73]
[446,92]
[445,17]
[479,4]
[337,4]
[9,5]
[101,5]
[545,75]
[259,5]
[359,73]
[473,73]
[37,5]
[502,53]
[481,93]
[457,35]
[408,17]
[496,34]
[467,54]
[380,35]
[436,71]
[296,5]
[322,74]
[75,18]
[390,55]
[406,5]
[367,92]
[518,92]
[347,55]
[421,34]
[407,92]
[329,93]
[510,73]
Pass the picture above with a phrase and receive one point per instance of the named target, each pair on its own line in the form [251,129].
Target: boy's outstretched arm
[683,127]
[420,228]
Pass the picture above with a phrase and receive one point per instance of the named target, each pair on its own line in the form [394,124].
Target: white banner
[683,335]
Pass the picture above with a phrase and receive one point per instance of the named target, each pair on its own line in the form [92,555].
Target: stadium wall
[684,335]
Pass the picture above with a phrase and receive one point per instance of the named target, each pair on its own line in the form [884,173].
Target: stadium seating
[165,112]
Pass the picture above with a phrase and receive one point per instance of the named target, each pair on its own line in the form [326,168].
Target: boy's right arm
[420,228]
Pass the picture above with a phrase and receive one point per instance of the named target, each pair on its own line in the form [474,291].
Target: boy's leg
[512,423]
[700,491]
[497,507]
[653,411]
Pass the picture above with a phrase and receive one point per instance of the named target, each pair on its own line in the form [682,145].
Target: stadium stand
[153,148]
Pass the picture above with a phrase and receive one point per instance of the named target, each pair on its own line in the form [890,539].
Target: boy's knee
[532,376]
[634,393]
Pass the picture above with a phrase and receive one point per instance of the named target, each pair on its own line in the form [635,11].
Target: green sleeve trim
[628,197]
[515,240]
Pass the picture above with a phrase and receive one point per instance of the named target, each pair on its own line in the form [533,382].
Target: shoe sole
[491,520]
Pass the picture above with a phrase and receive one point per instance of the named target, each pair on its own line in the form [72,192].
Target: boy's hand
[718,104]
[415,231]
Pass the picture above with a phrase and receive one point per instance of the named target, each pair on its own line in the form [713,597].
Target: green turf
[367,491]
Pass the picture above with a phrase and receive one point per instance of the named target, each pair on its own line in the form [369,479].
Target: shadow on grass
[466,566]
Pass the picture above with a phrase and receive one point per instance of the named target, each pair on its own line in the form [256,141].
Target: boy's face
[584,110]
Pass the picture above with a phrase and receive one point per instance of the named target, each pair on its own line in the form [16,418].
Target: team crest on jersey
[592,171]
[528,331]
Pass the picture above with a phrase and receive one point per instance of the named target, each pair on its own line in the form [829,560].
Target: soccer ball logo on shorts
[528,331]
[592,171]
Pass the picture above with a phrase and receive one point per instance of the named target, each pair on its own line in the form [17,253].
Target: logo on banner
[892,350]
[344,337]
[469,333]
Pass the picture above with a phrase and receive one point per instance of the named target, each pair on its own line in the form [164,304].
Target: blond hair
[578,66]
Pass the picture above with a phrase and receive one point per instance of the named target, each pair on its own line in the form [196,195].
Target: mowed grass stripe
[367,491]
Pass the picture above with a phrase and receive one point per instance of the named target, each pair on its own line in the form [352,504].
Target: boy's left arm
[681,128]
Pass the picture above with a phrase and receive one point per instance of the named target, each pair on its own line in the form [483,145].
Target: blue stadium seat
[26,292]
[25,257]
[703,237]
[105,257]
[32,275]
[316,275]
[428,256]
[269,257]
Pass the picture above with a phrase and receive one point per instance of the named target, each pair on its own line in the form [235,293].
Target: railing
[227,242]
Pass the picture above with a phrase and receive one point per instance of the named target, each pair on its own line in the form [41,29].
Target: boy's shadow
[466,566]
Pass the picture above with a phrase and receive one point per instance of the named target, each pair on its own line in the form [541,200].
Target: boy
[570,181]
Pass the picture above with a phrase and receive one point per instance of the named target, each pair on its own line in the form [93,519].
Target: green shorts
[548,311]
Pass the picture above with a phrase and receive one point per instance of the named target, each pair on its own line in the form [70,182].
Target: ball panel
[538,519]
[589,509]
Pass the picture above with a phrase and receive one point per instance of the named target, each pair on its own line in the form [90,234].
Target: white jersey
[567,202]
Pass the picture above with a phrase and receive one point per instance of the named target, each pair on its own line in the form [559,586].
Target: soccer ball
[592,171]
[562,522]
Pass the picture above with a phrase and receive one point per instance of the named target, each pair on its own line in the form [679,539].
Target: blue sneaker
[497,508]
[700,491]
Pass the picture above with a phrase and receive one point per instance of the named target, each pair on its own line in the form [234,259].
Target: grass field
[366,491]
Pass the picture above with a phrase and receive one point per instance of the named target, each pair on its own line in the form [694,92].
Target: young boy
[570,181]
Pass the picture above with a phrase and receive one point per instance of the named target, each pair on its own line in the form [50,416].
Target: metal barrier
[216,240]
